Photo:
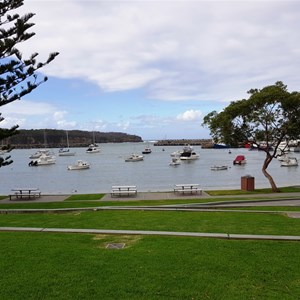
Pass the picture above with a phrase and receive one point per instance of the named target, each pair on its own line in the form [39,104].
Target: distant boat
[134,157]
[219,168]
[66,152]
[93,148]
[221,146]
[39,153]
[175,161]
[188,153]
[80,165]
[191,156]
[239,160]
[147,151]
[289,162]
[43,160]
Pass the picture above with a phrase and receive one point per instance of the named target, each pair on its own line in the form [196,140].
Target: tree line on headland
[53,138]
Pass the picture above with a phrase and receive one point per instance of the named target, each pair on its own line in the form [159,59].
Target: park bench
[25,193]
[123,190]
[187,188]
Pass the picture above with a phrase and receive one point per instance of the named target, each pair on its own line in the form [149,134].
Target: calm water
[153,174]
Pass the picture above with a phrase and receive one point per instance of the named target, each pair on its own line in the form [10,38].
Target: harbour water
[152,174]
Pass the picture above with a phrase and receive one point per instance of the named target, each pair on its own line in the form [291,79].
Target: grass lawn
[78,266]
[286,189]
[219,222]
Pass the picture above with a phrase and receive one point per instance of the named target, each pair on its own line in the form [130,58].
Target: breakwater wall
[204,143]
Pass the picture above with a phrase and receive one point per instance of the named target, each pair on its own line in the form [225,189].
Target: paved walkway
[276,199]
[157,233]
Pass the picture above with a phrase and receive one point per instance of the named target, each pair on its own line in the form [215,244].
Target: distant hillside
[52,138]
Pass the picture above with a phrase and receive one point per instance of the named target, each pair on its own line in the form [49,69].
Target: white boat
[289,162]
[219,168]
[175,161]
[189,156]
[43,160]
[93,148]
[66,152]
[176,153]
[134,157]
[80,165]
[38,153]
[188,153]
[147,151]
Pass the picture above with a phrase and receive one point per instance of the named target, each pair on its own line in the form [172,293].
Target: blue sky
[153,68]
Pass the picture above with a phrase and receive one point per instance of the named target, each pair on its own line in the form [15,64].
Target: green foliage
[17,74]
[270,115]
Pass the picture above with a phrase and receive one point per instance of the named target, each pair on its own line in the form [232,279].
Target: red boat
[239,160]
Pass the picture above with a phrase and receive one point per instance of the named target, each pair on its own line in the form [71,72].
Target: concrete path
[157,233]
[293,197]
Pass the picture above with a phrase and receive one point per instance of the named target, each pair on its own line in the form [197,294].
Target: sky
[153,68]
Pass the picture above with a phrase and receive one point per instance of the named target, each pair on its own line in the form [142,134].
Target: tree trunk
[267,161]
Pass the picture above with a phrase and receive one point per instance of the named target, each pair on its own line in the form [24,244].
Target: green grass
[219,222]
[289,189]
[69,266]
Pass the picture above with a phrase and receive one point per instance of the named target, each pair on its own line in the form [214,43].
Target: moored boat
[219,168]
[38,153]
[289,162]
[66,151]
[188,153]
[175,161]
[239,160]
[80,165]
[134,157]
[147,151]
[93,148]
[43,160]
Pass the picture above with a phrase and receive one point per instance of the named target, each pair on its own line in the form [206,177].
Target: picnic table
[121,190]
[25,192]
[188,188]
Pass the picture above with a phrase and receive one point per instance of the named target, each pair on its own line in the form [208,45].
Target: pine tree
[17,74]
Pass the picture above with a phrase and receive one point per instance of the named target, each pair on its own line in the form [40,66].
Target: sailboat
[93,148]
[66,152]
[43,156]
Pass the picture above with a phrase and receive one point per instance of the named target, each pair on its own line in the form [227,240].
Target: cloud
[27,108]
[175,50]
[61,123]
[189,116]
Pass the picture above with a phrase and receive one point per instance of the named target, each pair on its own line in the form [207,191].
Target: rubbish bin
[247,183]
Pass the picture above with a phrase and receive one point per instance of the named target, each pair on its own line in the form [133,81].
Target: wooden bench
[189,188]
[123,190]
[26,193]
